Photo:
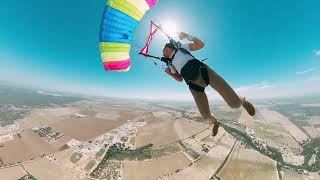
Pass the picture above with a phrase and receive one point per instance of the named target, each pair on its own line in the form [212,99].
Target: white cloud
[261,90]
[179,93]
[314,78]
[281,89]
[317,52]
[307,71]
[262,85]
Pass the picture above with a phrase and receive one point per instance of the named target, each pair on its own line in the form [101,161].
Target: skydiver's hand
[167,70]
[183,35]
[176,76]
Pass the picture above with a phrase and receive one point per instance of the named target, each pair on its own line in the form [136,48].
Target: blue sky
[262,48]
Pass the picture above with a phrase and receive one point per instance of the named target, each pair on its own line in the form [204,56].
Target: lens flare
[170,27]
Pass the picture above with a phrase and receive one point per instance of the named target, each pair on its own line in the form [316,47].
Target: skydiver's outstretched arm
[196,43]
[175,76]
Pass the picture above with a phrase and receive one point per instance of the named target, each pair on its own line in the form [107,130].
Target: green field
[27,177]
[90,165]
[124,139]
[64,147]
[100,152]
[75,157]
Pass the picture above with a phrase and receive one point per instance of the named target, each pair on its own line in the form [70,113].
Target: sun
[170,27]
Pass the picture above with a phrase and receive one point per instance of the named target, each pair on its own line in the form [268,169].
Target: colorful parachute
[119,22]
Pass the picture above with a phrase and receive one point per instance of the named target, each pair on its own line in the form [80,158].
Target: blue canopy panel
[117,26]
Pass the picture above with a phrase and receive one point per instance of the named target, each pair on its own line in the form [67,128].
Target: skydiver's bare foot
[213,120]
[215,128]
[248,106]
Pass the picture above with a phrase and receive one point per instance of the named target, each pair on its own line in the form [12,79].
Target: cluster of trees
[309,149]
[119,152]
[27,177]
[64,147]
[190,151]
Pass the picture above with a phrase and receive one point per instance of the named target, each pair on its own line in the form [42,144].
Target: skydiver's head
[168,50]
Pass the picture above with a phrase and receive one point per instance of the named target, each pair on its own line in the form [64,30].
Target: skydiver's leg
[202,103]
[224,89]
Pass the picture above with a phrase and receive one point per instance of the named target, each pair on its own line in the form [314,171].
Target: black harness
[191,70]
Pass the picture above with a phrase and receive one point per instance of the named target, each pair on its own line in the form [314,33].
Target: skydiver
[183,65]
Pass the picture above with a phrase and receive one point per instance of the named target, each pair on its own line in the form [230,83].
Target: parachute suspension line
[161,29]
[154,27]
[138,47]
[145,50]
[165,32]
[138,51]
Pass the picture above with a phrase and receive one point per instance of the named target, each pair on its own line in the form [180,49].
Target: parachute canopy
[120,19]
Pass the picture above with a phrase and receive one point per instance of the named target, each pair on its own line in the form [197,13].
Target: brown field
[273,127]
[248,164]
[63,158]
[315,120]
[208,165]
[112,115]
[292,175]
[132,140]
[275,135]
[221,149]
[186,128]
[214,140]
[62,111]
[314,133]
[57,144]
[189,173]
[157,131]
[205,167]
[84,129]
[2,131]
[38,117]
[275,117]
[29,146]
[140,170]
[12,173]
[44,169]
[82,163]
[246,119]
